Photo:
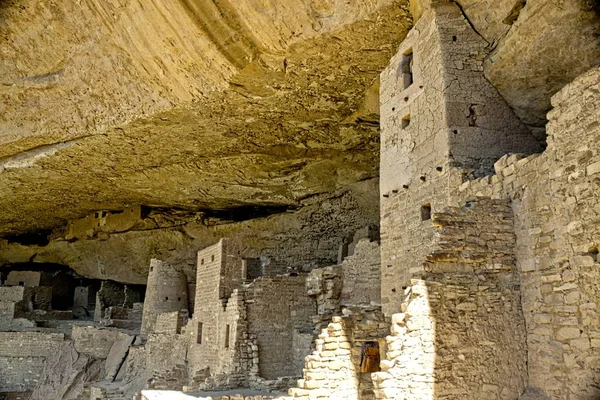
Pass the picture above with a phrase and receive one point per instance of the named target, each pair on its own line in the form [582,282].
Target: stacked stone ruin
[485,280]
[480,283]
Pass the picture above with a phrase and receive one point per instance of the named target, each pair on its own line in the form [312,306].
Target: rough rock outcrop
[300,240]
[195,104]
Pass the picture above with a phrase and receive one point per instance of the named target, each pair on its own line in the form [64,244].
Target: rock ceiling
[157,107]
[203,104]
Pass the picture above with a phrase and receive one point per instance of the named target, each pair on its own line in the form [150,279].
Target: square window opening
[406,121]
[426,212]
[407,68]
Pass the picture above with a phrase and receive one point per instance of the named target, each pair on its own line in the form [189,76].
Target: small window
[407,68]
[21,283]
[179,299]
[212,258]
[406,121]
[425,212]
[166,298]
[202,262]
[199,337]
[227,336]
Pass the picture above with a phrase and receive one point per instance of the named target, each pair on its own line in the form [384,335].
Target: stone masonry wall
[555,200]
[467,311]
[408,371]
[171,322]
[326,284]
[166,292]
[556,203]
[216,311]
[332,371]
[236,326]
[361,274]
[278,307]
[23,357]
[329,372]
[449,117]
[229,345]
[474,296]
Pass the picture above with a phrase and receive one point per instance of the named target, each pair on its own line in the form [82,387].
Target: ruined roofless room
[300,200]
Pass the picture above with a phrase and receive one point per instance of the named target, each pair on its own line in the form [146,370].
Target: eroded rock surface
[187,105]
[298,240]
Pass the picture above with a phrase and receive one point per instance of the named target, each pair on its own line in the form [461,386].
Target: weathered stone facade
[553,197]
[23,356]
[455,119]
[482,285]
[166,292]
[242,331]
[465,315]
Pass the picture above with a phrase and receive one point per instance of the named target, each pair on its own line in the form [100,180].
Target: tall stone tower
[441,121]
[166,291]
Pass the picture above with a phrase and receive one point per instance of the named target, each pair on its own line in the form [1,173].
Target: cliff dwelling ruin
[251,200]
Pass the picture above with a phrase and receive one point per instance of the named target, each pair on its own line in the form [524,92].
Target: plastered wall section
[9,297]
[449,117]
[27,278]
[23,357]
[557,209]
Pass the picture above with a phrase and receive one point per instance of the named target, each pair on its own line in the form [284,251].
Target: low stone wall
[329,372]
[408,370]
[23,358]
[332,371]
[95,342]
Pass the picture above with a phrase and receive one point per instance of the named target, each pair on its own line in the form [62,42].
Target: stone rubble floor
[236,394]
